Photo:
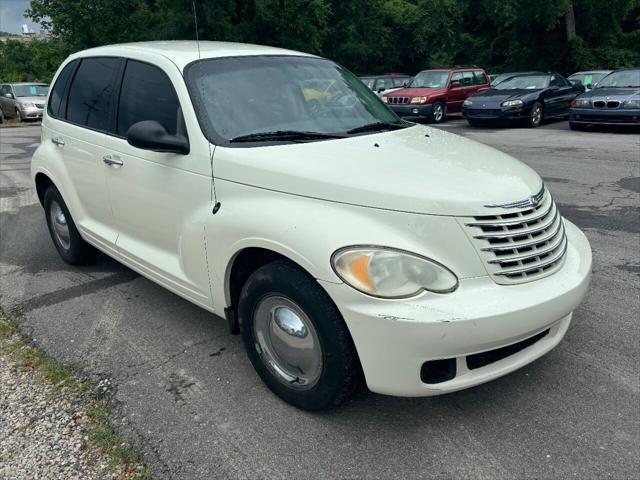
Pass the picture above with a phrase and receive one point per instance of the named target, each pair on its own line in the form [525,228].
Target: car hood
[492,98]
[31,99]
[612,93]
[418,92]
[416,169]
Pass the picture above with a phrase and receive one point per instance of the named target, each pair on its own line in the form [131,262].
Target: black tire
[576,126]
[19,116]
[340,369]
[435,116]
[535,120]
[77,252]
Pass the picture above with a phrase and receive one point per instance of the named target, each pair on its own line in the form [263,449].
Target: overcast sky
[12,16]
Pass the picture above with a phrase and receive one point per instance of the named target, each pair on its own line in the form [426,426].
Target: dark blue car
[614,101]
[529,97]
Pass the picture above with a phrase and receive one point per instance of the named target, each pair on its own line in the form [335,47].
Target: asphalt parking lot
[189,399]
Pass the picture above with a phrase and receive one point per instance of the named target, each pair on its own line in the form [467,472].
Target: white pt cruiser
[275,189]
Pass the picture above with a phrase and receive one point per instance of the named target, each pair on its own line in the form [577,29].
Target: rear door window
[147,94]
[57,92]
[479,78]
[91,93]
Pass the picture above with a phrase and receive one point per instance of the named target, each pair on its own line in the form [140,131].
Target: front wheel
[296,338]
[536,115]
[438,112]
[18,115]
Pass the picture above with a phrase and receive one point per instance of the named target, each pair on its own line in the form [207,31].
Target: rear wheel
[296,338]
[537,114]
[438,112]
[66,238]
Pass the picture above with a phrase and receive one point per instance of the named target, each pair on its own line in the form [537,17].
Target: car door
[456,94]
[558,96]
[480,82]
[79,116]
[160,200]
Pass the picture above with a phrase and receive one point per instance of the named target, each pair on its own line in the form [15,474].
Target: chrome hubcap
[537,115]
[287,342]
[437,112]
[60,227]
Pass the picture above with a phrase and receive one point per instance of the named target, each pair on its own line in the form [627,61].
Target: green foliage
[367,36]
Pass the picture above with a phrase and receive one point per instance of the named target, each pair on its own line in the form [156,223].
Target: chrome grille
[522,245]
[397,100]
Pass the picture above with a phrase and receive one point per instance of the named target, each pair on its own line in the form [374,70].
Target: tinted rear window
[147,94]
[57,93]
[91,92]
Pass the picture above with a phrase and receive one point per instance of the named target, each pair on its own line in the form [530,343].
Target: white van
[341,241]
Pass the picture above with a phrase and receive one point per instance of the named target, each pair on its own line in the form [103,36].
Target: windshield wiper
[283,135]
[378,127]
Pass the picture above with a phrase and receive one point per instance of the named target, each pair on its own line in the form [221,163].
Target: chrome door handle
[57,141]
[112,161]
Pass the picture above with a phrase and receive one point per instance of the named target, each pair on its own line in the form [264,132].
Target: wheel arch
[239,268]
[42,182]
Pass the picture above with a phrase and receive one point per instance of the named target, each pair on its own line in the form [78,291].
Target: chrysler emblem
[531,201]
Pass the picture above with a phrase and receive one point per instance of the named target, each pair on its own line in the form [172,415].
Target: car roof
[26,83]
[183,52]
[583,72]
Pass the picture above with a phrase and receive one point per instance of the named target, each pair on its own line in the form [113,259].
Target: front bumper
[31,113]
[395,338]
[416,110]
[496,114]
[603,116]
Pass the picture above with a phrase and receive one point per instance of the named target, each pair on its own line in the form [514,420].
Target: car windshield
[31,90]
[430,79]
[588,78]
[251,96]
[524,82]
[621,79]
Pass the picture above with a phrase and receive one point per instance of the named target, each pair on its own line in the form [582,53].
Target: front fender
[308,231]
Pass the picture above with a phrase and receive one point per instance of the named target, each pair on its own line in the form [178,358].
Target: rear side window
[147,94]
[57,92]
[91,93]
[480,78]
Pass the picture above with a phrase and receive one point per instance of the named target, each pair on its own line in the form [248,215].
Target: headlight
[385,100]
[28,104]
[581,103]
[389,273]
[631,103]
[419,99]
[468,102]
[512,103]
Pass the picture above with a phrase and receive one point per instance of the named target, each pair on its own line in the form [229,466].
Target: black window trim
[65,91]
[115,96]
[68,88]
[118,91]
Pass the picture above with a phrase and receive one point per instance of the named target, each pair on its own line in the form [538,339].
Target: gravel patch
[52,425]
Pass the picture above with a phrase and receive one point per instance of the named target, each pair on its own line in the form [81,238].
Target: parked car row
[587,98]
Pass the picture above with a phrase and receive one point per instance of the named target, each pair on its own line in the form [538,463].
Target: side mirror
[381,89]
[9,95]
[455,84]
[590,86]
[150,135]
[406,84]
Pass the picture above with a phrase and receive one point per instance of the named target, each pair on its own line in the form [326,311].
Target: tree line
[366,36]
